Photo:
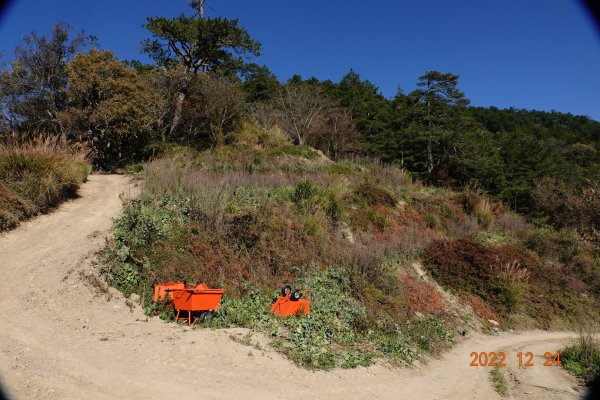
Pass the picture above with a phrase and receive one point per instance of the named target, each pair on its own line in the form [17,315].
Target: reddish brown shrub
[585,268]
[421,296]
[462,265]
[446,214]
[543,275]
[408,215]
[577,285]
[465,266]
[375,195]
[479,307]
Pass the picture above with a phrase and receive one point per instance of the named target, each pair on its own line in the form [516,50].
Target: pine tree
[199,44]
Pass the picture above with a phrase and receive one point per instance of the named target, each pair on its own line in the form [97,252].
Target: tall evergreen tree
[438,108]
[199,44]
[261,84]
[369,109]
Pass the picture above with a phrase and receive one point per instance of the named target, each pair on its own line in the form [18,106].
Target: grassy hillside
[259,213]
[36,176]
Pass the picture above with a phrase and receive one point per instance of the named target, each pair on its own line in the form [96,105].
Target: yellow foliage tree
[111,107]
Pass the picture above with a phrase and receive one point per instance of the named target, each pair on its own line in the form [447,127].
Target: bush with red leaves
[421,296]
[463,265]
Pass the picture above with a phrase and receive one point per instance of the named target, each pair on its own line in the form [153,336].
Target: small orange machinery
[291,302]
[199,299]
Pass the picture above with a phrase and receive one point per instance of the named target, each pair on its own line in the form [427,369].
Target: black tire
[286,290]
[206,316]
[295,296]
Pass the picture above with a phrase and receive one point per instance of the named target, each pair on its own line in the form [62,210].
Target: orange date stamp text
[498,359]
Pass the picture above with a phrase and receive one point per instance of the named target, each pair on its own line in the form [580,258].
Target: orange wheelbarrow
[199,302]
[291,302]
[160,291]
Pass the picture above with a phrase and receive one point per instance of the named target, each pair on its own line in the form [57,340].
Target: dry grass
[513,272]
[37,175]
[512,223]
[168,176]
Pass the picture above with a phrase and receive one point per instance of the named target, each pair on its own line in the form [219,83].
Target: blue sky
[535,54]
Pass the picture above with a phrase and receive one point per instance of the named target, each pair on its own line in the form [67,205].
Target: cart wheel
[296,295]
[206,316]
[286,290]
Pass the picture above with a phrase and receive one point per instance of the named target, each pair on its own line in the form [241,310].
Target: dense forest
[202,85]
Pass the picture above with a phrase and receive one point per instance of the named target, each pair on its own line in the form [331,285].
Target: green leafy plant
[582,358]
[126,278]
[499,381]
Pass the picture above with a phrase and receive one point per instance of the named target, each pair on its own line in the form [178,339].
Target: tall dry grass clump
[38,174]
[513,272]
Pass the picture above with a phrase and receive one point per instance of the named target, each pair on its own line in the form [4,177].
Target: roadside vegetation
[254,215]
[499,381]
[582,358]
[36,176]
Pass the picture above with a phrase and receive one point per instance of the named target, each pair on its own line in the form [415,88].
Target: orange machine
[199,302]
[291,302]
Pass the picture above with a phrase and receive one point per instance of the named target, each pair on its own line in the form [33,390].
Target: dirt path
[60,339]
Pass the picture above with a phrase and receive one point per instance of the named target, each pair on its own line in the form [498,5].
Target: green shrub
[292,150]
[164,310]
[313,226]
[145,221]
[306,195]
[513,294]
[249,311]
[499,381]
[582,359]
[560,245]
[126,278]
[344,167]
[485,219]
[307,341]
[494,238]
[134,169]
[334,208]
[378,219]
[353,359]
[430,334]
[395,345]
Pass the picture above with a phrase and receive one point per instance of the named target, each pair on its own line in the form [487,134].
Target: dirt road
[60,339]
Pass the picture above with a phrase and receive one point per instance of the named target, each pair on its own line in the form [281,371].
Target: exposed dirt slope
[62,339]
